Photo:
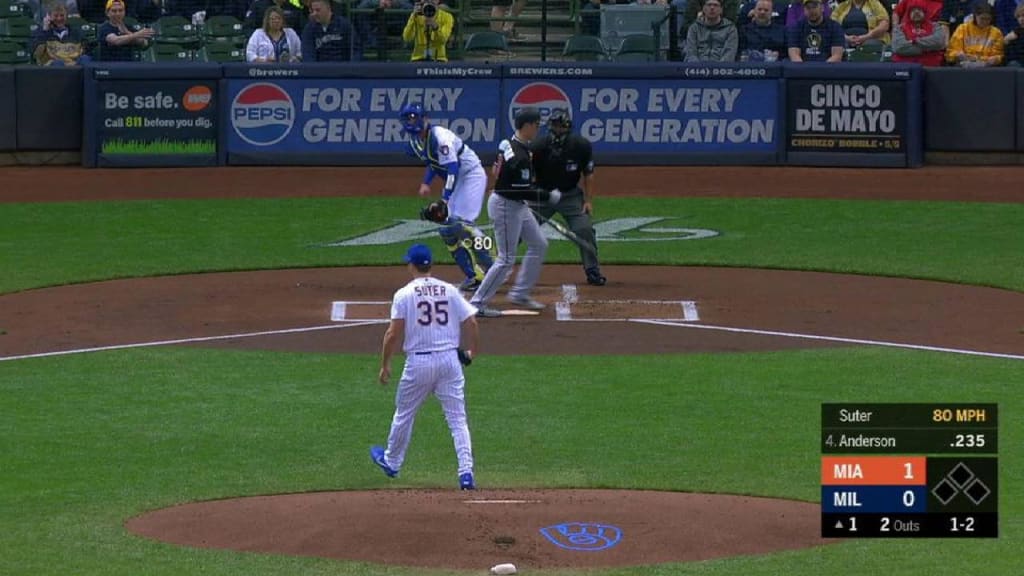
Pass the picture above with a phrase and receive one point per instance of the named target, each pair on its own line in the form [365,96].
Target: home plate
[520,312]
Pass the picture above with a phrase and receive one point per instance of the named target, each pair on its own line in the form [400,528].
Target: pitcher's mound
[474,530]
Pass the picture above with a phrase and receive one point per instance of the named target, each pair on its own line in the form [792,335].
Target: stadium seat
[176,30]
[12,53]
[17,29]
[864,54]
[166,53]
[87,30]
[9,8]
[583,47]
[225,30]
[220,52]
[486,41]
[636,48]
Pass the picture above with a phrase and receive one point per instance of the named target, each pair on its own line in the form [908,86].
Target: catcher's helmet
[560,118]
[412,116]
[527,116]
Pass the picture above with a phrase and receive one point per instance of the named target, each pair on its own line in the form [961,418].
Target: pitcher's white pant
[468,197]
[512,220]
[440,373]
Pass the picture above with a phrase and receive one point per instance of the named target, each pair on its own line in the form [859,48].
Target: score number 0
[908,501]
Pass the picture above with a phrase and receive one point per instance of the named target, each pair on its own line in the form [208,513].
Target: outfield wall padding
[8,110]
[49,108]
[972,110]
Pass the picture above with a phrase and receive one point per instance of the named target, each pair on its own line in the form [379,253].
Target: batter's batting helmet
[412,116]
[527,116]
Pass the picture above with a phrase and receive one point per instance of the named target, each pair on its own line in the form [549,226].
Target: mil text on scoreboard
[909,470]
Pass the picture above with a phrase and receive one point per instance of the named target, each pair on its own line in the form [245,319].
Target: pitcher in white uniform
[429,316]
[465,183]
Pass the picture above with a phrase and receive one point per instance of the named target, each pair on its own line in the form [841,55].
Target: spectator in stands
[117,42]
[918,39]
[746,14]
[41,12]
[329,37]
[689,11]
[1014,41]
[711,38]
[977,43]
[933,12]
[795,12]
[863,22]
[1006,19]
[54,44]
[815,38]
[274,42]
[428,30]
[764,37]
[374,28]
[296,14]
[500,9]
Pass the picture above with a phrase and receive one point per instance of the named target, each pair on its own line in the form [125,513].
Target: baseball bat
[565,232]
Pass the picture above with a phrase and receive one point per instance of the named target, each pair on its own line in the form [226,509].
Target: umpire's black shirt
[560,166]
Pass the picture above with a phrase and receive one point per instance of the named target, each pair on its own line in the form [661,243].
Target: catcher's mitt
[436,211]
[464,357]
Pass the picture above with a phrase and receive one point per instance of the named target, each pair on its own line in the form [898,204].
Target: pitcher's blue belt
[428,352]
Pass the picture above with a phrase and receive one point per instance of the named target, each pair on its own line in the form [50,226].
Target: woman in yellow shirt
[863,21]
[977,42]
[428,30]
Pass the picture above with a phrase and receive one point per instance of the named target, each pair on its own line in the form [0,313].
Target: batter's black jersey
[560,166]
[515,169]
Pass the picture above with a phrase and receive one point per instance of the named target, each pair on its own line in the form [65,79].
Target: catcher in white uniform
[429,316]
[465,183]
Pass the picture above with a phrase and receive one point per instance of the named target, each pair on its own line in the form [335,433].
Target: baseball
[503,569]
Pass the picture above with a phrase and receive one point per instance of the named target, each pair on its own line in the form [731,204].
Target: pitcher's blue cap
[418,254]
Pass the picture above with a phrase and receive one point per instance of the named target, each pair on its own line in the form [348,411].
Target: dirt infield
[533,529]
[641,310]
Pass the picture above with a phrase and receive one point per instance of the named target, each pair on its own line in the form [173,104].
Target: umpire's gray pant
[512,219]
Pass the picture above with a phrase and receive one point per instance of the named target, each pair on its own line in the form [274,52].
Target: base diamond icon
[961,475]
[944,491]
[977,491]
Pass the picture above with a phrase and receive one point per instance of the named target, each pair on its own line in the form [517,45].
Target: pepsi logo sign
[543,96]
[262,114]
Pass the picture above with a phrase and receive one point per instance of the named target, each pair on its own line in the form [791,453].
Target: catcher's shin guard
[453,235]
[481,254]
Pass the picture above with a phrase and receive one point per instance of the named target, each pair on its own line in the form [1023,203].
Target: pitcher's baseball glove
[465,358]
[436,211]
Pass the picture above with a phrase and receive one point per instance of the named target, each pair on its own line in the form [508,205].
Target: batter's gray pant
[512,219]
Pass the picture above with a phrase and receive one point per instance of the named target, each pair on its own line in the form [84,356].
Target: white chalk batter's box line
[563,309]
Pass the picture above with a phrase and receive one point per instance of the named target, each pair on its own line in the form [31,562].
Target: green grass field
[89,440]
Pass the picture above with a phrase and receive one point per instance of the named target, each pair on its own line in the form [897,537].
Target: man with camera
[428,30]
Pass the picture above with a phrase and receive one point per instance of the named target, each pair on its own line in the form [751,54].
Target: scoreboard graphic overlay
[909,471]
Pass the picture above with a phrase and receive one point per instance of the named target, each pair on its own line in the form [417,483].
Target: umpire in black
[559,159]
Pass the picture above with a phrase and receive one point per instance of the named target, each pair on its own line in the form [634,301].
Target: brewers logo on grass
[262,114]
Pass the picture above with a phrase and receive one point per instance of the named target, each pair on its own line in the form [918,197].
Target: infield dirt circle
[641,310]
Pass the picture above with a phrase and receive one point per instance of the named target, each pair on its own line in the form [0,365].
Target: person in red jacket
[918,38]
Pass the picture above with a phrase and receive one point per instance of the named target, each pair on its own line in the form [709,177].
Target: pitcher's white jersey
[433,311]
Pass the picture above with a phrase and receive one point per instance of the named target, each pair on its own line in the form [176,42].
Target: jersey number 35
[431,312]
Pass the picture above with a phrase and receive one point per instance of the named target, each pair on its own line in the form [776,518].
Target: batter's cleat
[595,278]
[470,285]
[466,481]
[483,311]
[377,453]
[527,302]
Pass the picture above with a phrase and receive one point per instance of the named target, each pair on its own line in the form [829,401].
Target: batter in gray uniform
[513,219]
